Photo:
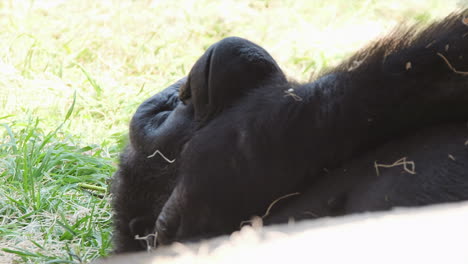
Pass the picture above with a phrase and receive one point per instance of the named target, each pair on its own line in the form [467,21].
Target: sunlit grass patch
[44,213]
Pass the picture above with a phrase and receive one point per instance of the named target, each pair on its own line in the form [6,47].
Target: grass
[73,71]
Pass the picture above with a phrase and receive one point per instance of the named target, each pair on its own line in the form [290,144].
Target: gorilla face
[242,135]
[146,174]
[164,123]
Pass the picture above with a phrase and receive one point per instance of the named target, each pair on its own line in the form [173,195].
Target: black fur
[245,136]
[440,174]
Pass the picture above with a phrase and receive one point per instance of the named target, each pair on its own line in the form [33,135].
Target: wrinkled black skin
[241,141]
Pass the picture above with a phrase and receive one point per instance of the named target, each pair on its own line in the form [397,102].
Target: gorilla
[236,138]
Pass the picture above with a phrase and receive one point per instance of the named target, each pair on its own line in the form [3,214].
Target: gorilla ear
[228,70]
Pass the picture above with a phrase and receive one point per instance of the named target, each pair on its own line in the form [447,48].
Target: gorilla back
[243,135]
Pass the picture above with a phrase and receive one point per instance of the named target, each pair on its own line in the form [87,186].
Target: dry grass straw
[290,92]
[408,166]
[450,65]
[150,239]
[267,213]
[157,152]
[452,157]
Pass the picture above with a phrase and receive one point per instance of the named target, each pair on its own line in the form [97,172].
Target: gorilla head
[242,135]
[226,73]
